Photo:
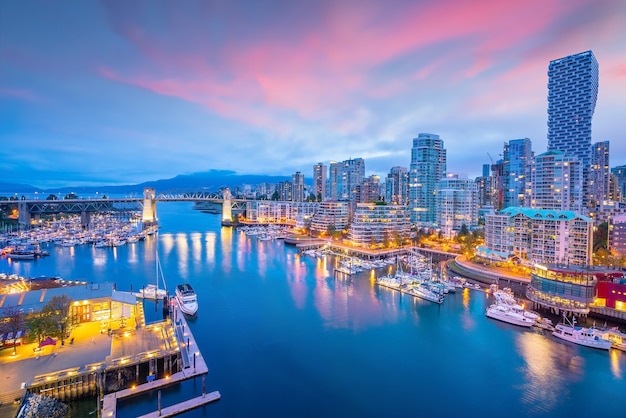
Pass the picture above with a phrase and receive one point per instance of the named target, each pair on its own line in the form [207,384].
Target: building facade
[397,186]
[329,217]
[297,179]
[457,204]
[378,225]
[572,96]
[541,235]
[554,181]
[517,155]
[428,167]
[320,174]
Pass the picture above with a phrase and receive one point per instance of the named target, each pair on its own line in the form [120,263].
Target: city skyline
[118,93]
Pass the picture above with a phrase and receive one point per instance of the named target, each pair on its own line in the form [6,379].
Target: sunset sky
[121,92]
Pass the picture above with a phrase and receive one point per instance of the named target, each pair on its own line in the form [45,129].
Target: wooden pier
[193,365]
[185,406]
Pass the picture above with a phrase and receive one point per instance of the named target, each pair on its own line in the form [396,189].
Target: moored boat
[505,313]
[187,300]
[568,331]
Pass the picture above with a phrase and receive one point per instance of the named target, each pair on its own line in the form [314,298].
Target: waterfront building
[320,174]
[380,225]
[517,155]
[428,167]
[297,181]
[456,201]
[541,235]
[610,294]
[278,212]
[572,96]
[397,186]
[620,180]
[562,288]
[554,182]
[90,302]
[329,217]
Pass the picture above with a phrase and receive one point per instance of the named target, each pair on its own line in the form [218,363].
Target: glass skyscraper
[428,167]
[572,95]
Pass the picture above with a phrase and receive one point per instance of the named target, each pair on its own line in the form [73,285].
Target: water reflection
[615,357]
[226,242]
[549,367]
[196,248]
[210,238]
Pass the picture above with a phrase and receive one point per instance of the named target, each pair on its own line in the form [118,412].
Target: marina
[272,317]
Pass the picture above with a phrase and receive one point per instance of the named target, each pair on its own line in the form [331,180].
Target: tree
[52,196]
[13,321]
[40,325]
[464,231]
[71,196]
[58,309]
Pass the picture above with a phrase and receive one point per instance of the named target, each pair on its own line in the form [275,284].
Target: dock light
[167,376]
[133,387]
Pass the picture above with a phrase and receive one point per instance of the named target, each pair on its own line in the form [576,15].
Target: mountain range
[209,181]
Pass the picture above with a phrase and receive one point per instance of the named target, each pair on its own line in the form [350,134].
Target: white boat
[152,291]
[186,297]
[568,331]
[505,313]
[617,337]
[424,292]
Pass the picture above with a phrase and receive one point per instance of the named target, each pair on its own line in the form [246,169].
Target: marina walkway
[193,365]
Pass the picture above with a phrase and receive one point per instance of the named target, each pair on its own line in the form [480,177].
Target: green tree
[40,325]
[71,196]
[52,196]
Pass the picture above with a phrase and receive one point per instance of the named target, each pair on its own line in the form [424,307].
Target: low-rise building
[380,225]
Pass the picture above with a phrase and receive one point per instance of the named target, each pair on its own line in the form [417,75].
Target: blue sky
[121,92]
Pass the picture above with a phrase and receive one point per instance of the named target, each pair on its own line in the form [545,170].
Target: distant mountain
[210,181]
[18,188]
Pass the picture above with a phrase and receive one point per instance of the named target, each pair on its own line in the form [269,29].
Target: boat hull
[504,314]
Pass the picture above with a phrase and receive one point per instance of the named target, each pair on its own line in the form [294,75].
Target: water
[283,338]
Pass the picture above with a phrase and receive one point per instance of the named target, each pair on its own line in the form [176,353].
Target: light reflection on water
[547,365]
[616,357]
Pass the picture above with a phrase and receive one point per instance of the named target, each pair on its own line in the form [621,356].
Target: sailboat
[152,291]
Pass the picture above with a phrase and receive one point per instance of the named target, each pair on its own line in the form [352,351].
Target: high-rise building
[572,95]
[428,166]
[397,186]
[517,155]
[320,172]
[297,180]
[554,181]
[620,178]
[344,178]
[368,190]
[599,174]
[484,187]
[334,181]
[456,204]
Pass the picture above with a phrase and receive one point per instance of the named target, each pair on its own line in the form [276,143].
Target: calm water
[283,338]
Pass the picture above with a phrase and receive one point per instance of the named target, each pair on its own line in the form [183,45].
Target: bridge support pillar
[85,219]
[23,217]
[227,209]
[149,207]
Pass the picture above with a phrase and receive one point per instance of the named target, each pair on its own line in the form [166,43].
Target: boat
[617,337]
[422,291]
[152,291]
[21,255]
[186,297]
[568,331]
[505,313]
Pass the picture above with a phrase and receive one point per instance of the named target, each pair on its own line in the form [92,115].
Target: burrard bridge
[29,210]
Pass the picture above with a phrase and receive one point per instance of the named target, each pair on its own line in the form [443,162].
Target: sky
[122,92]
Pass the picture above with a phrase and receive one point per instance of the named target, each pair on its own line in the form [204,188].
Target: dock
[193,365]
[185,406]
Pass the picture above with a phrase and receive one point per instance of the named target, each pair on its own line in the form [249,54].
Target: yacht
[422,291]
[186,297]
[568,331]
[505,313]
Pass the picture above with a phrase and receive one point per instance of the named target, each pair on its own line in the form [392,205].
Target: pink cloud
[22,94]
